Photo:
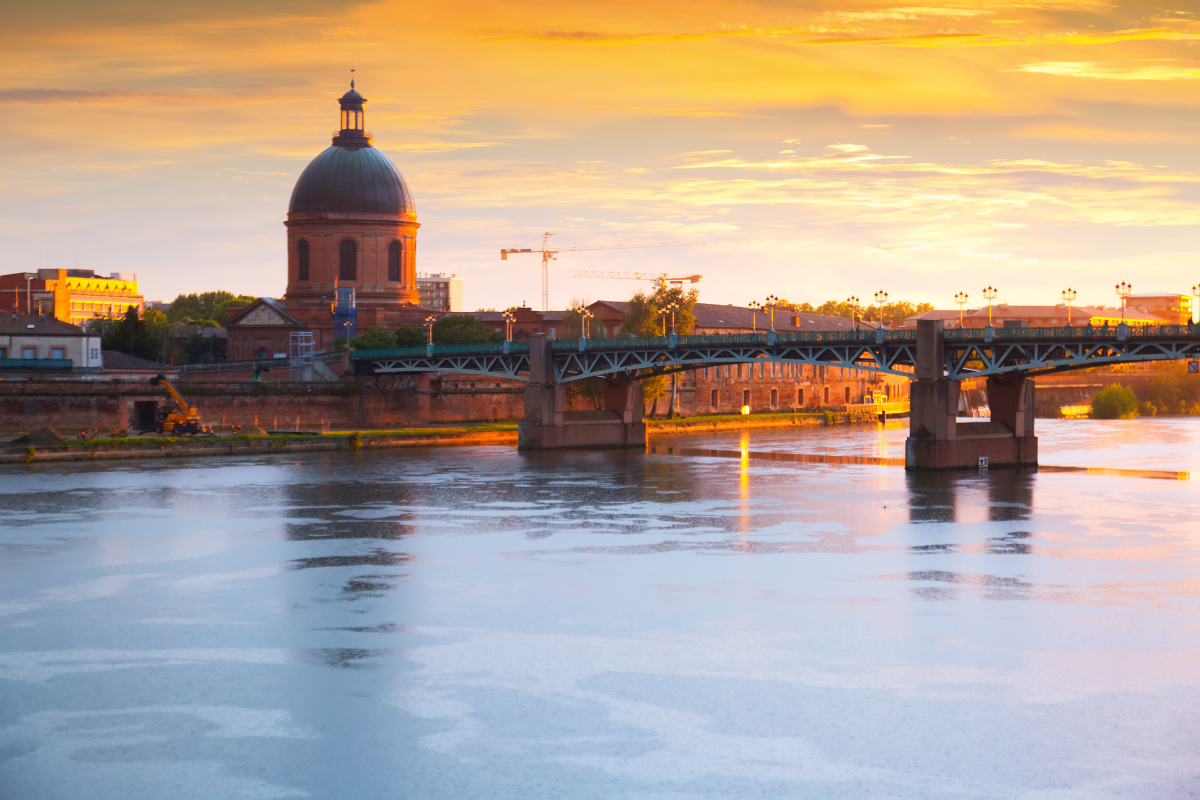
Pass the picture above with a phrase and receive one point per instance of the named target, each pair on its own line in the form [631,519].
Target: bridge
[935,359]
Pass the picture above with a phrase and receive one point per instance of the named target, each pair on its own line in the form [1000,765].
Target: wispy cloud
[93,96]
[1091,69]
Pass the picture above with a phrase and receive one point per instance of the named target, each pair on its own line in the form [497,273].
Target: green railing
[36,363]
[444,350]
[1072,332]
[631,342]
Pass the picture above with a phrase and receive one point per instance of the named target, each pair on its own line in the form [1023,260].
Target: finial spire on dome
[354,119]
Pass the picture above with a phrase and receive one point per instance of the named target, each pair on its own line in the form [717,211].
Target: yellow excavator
[180,419]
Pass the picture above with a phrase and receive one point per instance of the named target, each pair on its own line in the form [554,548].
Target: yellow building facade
[71,295]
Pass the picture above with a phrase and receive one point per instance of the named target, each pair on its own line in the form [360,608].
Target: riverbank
[467,434]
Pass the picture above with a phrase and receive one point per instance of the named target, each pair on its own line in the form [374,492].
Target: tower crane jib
[549,255]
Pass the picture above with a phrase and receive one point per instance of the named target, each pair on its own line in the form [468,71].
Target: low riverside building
[34,347]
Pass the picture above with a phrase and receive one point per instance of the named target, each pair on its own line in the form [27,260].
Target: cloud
[906,13]
[61,96]
[1091,69]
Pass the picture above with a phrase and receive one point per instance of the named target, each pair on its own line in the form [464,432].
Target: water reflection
[722,617]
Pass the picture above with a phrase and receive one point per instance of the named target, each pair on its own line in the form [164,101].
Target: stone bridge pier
[548,425]
[937,440]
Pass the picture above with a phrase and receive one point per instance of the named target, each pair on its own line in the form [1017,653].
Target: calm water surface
[470,623]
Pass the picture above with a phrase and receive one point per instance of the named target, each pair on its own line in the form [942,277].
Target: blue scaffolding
[343,314]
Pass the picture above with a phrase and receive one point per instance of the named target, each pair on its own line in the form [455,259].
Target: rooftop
[33,325]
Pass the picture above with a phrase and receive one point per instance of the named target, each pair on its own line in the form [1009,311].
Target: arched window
[348,261]
[395,257]
[302,248]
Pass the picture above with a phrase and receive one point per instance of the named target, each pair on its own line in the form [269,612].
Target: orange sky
[820,149]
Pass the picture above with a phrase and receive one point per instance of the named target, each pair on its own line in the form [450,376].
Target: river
[718,619]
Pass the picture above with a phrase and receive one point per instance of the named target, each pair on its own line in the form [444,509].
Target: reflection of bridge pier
[937,440]
[548,425]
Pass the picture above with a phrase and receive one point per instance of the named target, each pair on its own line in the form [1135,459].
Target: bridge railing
[444,350]
[634,342]
[1072,332]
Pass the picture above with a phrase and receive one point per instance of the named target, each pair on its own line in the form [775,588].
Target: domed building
[351,223]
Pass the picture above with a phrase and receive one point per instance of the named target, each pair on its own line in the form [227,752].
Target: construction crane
[180,418]
[657,278]
[549,255]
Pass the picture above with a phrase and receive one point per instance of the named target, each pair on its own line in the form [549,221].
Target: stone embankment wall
[70,406]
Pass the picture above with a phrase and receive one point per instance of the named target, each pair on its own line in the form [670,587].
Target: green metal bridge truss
[972,352]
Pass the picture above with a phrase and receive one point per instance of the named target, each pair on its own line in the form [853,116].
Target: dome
[345,180]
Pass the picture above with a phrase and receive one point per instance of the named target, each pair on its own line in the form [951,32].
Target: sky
[818,150]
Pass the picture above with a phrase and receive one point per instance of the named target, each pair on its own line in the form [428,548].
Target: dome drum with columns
[351,223]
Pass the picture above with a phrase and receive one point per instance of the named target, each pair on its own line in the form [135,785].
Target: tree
[642,319]
[377,337]
[572,324]
[149,333]
[462,329]
[895,313]
[410,336]
[1114,402]
[210,309]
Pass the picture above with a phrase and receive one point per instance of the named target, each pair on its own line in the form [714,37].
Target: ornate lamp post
[881,299]
[961,299]
[772,301]
[669,308]
[1123,291]
[755,306]
[852,301]
[1195,294]
[585,317]
[429,326]
[990,292]
[1068,295]
[509,318]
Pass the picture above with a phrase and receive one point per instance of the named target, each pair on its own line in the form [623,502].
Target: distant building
[713,319]
[41,346]
[1176,309]
[1039,316]
[440,292]
[526,321]
[70,295]
[351,224]
[260,331]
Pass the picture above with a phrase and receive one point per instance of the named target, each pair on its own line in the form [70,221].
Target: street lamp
[1195,294]
[852,301]
[990,292]
[509,317]
[1123,291]
[669,308]
[881,298]
[755,306]
[1068,295]
[429,326]
[961,299]
[585,317]
[772,301]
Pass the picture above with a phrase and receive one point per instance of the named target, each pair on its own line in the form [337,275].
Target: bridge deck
[977,352]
